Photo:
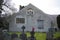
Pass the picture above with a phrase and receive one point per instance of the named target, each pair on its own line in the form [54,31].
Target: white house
[30,16]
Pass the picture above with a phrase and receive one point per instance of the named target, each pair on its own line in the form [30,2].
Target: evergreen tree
[58,21]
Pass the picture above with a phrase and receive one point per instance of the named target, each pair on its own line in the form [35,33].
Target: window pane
[20,20]
[40,24]
[30,12]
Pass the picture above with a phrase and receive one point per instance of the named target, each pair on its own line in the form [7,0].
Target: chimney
[21,7]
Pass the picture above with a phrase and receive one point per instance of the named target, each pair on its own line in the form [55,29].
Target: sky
[51,7]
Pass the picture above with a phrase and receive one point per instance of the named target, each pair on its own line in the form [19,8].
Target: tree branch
[7,6]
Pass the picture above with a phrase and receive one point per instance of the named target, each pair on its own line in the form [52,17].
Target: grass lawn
[57,34]
[39,35]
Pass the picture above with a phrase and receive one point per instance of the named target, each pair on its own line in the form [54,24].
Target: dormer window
[30,11]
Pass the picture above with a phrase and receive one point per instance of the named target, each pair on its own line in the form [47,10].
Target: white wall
[30,21]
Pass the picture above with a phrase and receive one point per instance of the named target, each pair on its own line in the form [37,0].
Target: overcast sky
[48,6]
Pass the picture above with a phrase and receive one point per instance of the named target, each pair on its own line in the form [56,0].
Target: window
[29,11]
[40,24]
[20,20]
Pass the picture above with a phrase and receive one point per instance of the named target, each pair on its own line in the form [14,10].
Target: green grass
[57,34]
[39,35]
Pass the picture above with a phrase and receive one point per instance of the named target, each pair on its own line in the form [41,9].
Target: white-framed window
[40,24]
[20,20]
[30,11]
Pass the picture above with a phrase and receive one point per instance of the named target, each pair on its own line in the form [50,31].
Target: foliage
[3,23]
[58,21]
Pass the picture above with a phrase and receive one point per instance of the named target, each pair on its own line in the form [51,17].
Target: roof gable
[34,8]
[31,6]
[23,11]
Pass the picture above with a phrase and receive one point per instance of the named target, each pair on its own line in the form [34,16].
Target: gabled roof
[33,7]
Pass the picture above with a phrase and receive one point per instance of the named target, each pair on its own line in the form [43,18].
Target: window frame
[42,26]
[19,20]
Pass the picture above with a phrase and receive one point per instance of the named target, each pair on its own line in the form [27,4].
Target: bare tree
[7,7]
